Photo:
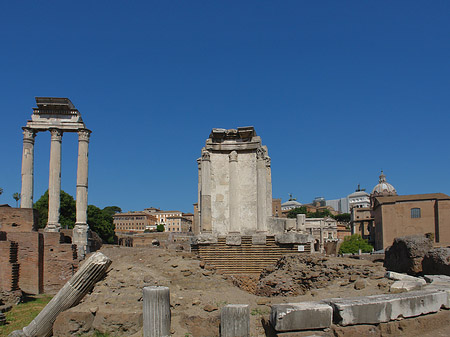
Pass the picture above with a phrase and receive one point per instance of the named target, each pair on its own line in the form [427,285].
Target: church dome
[383,188]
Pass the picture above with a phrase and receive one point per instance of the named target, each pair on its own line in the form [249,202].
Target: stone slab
[383,308]
[233,240]
[259,239]
[204,239]
[406,286]
[301,316]
[434,279]
[404,277]
[287,238]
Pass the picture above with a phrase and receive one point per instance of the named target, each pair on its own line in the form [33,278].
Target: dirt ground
[198,292]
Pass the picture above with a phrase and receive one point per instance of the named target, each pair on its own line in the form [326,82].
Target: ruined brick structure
[31,260]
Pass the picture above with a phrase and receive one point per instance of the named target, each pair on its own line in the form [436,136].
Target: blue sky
[337,90]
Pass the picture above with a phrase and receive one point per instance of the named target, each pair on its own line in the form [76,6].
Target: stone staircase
[246,258]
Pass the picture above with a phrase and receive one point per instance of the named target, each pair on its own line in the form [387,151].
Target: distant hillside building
[134,222]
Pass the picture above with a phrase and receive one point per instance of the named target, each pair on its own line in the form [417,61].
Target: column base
[52,227]
[80,237]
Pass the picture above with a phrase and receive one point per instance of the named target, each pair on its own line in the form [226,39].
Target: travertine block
[383,308]
[301,316]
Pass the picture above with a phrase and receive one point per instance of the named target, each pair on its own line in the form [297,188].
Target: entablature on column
[55,112]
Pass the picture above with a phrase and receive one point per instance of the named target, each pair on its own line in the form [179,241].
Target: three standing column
[54,183]
[27,168]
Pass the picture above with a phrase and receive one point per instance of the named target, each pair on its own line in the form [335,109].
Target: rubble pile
[294,275]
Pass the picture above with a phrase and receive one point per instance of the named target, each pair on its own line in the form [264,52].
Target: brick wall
[18,219]
[60,262]
[30,254]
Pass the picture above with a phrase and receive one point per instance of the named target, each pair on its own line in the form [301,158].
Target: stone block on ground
[437,262]
[404,277]
[383,308]
[437,279]
[406,254]
[301,316]
[398,286]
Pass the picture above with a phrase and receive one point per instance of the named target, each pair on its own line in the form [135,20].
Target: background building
[136,222]
[402,215]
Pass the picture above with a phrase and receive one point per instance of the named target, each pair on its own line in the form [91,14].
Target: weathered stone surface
[406,254]
[383,308]
[437,261]
[233,240]
[437,279]
[235,320]
[204,239]
[404,277]
[258,239]
[399,286]
[301,316]
[293,237]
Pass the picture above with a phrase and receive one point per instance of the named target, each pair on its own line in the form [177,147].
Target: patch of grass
[22,314]
[258,311]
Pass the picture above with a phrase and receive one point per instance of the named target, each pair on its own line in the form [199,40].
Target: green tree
[67,210]
[16,197]
[303,210]
[299,210]
[160,228]
[344,217]
[354,243]
[101,222]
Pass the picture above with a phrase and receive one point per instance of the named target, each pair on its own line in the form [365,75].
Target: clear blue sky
[337,90]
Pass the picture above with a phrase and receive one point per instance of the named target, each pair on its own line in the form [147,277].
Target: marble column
[261,189]
[197,225]
[80,231]
[82,176]
[205,215]
[269,209]
[27,168]
[54,183]
[233,193]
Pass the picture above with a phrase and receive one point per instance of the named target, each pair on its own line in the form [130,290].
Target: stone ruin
[235,204]
[57,115]
[33,260]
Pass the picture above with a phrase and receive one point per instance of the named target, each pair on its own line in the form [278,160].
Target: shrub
[354,243]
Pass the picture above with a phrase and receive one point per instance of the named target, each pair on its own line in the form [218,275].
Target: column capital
[199,162]
[233,156]
[28,134]
[206,155]
[56,134]
[268,161]
[260,153]
[84,134]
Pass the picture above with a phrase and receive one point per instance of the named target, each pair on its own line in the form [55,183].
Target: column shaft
[54,183]
[27,168]
[82,176]
[233,193]
[261,190]
[206,216]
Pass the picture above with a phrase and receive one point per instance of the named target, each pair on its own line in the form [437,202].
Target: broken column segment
[235,320]
[70,295]
[156,311]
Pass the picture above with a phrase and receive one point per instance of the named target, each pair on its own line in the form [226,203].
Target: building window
[415,212]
